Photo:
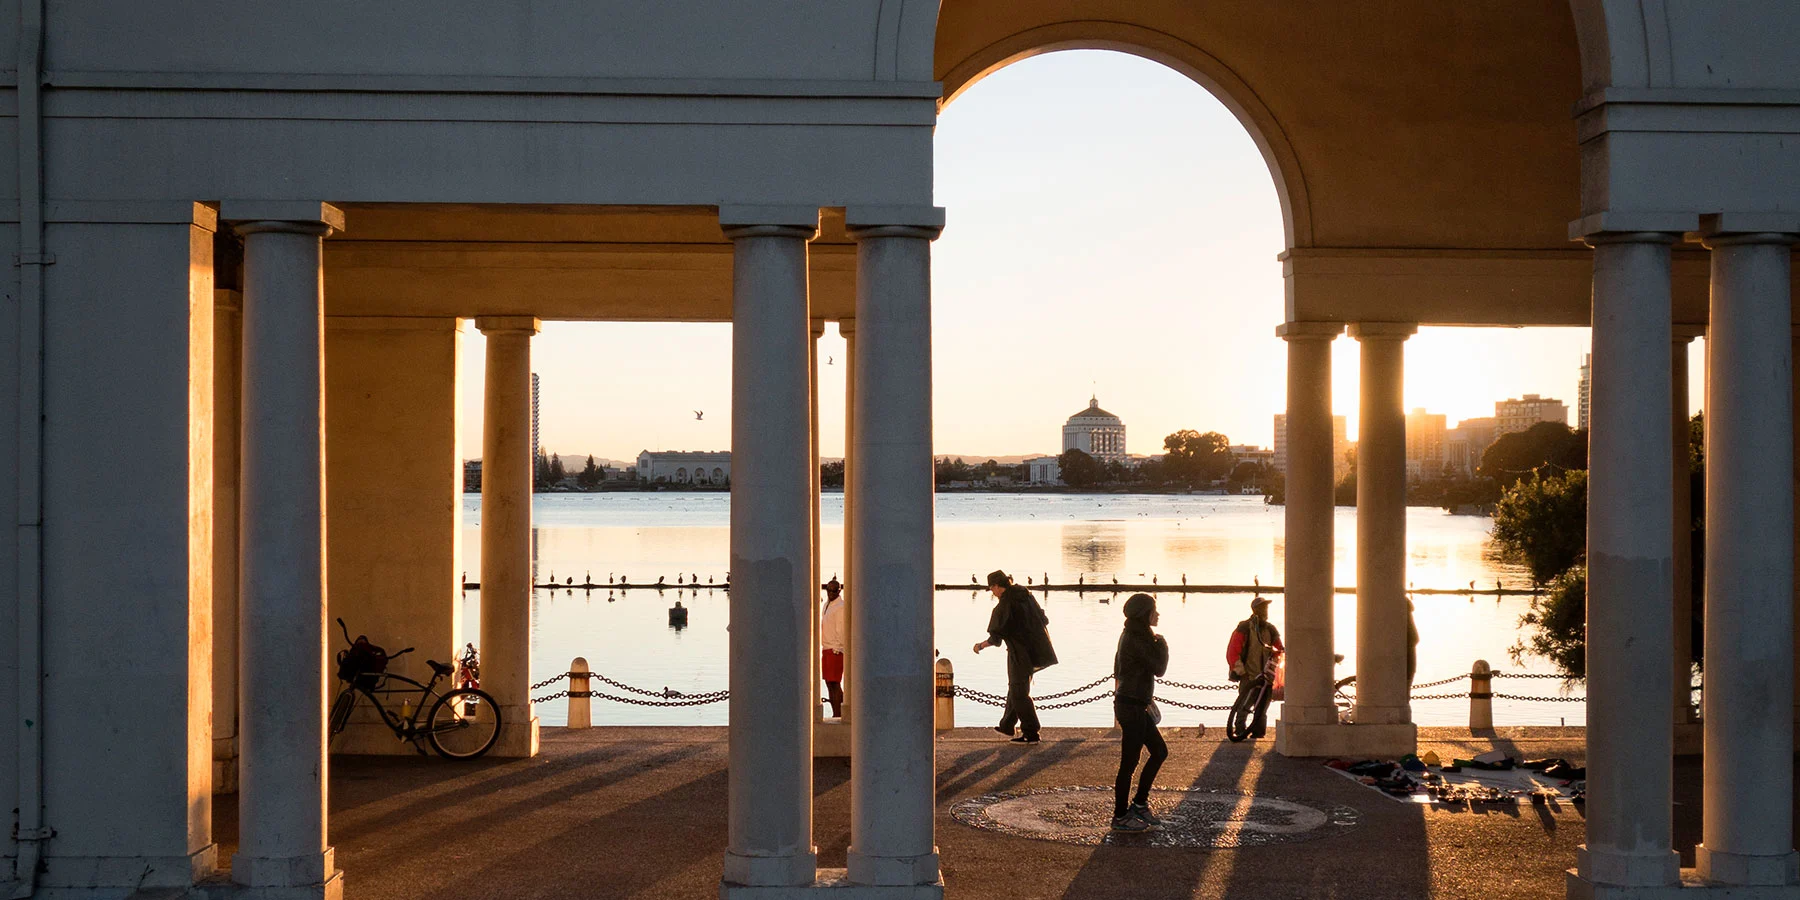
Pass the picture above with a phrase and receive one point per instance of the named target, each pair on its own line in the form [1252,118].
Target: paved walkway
[640,812]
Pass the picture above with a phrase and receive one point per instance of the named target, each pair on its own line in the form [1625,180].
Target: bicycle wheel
[463,724]
[1237,722]
[340,709]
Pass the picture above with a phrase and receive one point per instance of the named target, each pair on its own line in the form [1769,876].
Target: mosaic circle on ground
[1218,820]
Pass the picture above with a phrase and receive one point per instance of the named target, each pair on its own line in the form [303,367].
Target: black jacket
[1141,659]
[1019,622]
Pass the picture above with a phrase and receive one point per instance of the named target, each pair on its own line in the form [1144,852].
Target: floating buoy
[678,615]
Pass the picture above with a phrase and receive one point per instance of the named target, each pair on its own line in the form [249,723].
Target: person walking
[1255,646]
[1142,657]
[1018,622]
[831,646]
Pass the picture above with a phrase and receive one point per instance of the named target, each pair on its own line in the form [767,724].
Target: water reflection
[1091,548]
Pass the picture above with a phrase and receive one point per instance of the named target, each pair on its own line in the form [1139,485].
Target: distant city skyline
[1147,275]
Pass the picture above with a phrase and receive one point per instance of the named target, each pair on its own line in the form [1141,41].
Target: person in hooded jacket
[1018,622]
[1142,657]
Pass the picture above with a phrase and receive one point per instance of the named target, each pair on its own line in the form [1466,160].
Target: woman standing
[1142,657]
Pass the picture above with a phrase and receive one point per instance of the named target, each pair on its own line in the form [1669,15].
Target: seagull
[829,360]
[699,415]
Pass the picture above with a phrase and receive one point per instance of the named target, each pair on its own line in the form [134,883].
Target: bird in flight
[699,415]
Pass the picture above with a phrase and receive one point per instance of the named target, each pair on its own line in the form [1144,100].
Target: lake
[1209,539]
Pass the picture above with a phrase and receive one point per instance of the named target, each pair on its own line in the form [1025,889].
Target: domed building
[1096,432]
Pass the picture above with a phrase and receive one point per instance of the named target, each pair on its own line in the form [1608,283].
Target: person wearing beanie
[1255,646]
[1018,622]
[1142,657]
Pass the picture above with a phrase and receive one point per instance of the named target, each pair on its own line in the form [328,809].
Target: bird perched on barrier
[679,578]
[1115,579]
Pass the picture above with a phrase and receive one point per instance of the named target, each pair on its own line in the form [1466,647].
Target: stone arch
[1198,65]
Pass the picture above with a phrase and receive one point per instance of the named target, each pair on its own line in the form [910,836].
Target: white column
[847,329]
[814,515]
[506,477]
[1382,691]
[892,841]
[1681,541]
[1748,835]
[283,676]
[772,590]
[1308,546]
[1629,569]
[228,308]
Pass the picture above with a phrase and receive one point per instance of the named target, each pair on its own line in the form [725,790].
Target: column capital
[1683,334]
[506,324]
[1302,331]
[1382,331]
[1725,229]
[1634,226]
[818,328]
[846,327]
[294,216]
[747,220]
[882,221]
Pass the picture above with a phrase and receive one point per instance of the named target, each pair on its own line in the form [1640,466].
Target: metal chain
[549,681]
[1545,699]
[1197,687]
[1161,701]
[1441,682]
[1529,675]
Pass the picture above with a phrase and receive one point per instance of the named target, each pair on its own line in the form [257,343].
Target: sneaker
[1006,731]
[1026,739]
[1142,811]
[1129,823]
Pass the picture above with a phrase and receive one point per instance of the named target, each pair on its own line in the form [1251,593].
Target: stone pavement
[640,812]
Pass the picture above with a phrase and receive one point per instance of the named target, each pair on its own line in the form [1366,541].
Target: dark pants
[1134,721]
[1018,696]
[1259,721]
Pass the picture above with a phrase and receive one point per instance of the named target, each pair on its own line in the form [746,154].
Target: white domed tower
[1096,432]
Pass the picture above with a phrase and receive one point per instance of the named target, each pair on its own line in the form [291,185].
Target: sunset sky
[1112,230]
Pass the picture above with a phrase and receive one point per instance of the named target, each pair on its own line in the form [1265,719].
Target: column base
[1692,887]
[518,735]
[904,871]
[111,876]
[837,882]
[1366,741]
[225,776]
[311,877]
[770,872]
[831,739]
[1781,869]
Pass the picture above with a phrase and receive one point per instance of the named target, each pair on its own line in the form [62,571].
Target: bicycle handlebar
[400,654]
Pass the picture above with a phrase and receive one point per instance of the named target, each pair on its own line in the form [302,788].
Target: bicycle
[1250,697]
[463,723]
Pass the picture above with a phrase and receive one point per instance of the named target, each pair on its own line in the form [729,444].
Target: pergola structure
[248,237]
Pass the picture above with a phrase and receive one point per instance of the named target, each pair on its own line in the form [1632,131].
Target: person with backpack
[1018,622]
[1142,657]
[1255,645]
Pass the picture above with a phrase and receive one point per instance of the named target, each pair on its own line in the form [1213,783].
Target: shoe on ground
[1129,824]
[1006,731]
[1026,739]
[1142,811]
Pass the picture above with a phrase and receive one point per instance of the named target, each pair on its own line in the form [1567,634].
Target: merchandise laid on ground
[1490,778]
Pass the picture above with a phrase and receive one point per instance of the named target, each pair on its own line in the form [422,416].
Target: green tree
[1542,522]
[1079,469]
[591,474]
[831,474]
[1344,494]
[1558,625]
[1544,448]
[556,470]
[1194,458]
[540,472]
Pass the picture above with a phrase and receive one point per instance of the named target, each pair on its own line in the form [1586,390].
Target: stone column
[773,613]
[1681,543]
[1629,569]
[506,463]
[1796,452]
[1748,835]
[1382,689]
[282,848]
[228,309]
[892,841]
[1308,544]
[847,328]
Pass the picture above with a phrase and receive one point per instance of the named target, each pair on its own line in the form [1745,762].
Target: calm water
[1210,539]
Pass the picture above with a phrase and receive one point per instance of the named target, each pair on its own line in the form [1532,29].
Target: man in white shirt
[831,643]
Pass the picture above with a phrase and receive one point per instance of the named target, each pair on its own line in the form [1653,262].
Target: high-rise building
[1584,398]
[1340,445]
[1464,444]
[1425,434]
[1096,432]
[537,447]
[1520,414]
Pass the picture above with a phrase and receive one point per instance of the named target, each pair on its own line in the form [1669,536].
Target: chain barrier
[550,681]
[1440,683]
[1546,699]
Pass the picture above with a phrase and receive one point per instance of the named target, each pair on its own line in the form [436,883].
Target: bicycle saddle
[438,667]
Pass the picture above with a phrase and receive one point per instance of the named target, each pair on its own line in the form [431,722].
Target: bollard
[581,713]
[1481,697]
[946,695]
